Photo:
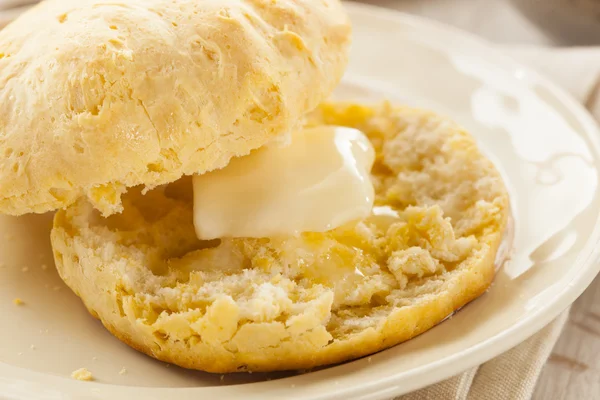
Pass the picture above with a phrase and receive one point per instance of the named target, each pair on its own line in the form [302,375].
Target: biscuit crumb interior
[245,301]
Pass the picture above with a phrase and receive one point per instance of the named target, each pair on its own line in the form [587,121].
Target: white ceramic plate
[544,143]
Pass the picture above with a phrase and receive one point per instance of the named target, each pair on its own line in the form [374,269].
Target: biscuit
[297,302]
[97,96]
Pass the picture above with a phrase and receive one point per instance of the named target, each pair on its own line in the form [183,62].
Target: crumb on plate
[82,374]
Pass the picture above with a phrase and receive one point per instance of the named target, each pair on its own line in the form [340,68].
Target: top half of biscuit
[97,96]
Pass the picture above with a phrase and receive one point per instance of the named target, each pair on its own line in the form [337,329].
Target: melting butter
[384,217]
[318,182]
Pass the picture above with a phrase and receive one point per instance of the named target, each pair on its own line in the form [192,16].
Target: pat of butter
[318,182]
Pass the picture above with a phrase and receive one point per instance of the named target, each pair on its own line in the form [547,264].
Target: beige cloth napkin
[512,375]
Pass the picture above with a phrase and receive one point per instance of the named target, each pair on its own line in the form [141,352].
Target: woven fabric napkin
[512,375]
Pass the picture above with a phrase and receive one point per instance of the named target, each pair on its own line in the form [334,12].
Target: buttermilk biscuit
[297,302]
[98,95]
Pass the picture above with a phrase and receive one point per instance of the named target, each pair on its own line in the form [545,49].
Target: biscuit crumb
[292,385]
[32,347]
[44,267]
[94,358]
[20,353]
[123,371]
[369,360]
[18,302]
[82,374]
[25,269]
[222,378]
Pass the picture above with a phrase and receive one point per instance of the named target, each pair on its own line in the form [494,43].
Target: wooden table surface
[573,370]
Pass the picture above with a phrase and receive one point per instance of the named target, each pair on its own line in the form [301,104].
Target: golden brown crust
[265,305]
[97,96]
[399,328]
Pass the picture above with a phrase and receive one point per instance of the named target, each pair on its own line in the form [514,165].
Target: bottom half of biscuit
[242,304]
